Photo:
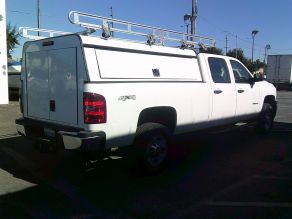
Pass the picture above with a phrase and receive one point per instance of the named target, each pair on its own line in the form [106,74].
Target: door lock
[52,105]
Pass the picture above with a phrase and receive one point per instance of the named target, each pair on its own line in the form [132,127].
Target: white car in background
[14,72]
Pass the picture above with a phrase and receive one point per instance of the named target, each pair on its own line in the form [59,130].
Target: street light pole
[253,33]
[187,18]
[193,18]
[268,47]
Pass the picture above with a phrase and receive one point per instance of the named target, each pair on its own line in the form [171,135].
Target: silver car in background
[14,72]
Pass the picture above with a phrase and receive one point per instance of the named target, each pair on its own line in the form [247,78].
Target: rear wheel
[151,146]
[266,119]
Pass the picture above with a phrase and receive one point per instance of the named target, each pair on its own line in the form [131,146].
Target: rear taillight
[94,108]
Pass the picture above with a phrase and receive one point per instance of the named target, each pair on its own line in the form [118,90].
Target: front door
[247,94]
[223,91]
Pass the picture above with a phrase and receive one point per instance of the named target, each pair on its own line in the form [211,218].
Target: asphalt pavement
[226,174]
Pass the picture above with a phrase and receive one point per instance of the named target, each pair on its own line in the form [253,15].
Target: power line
[20,12]
[32,13]
[259,48]
[245,40]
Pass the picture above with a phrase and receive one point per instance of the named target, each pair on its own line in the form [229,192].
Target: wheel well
[163,115]
[271,100]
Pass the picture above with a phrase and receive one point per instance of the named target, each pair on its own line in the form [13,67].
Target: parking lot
[224,174]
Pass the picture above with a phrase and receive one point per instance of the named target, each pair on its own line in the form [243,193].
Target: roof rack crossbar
[37,33]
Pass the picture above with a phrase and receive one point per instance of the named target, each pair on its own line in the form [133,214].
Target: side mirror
[255,78]
[251,81]
[258,77]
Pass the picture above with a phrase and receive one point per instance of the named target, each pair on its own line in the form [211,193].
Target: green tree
[259,64]
[256,65]
[240,55]
[211,50]
[246,61]
[12,39]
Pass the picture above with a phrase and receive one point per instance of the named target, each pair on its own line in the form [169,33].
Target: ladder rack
[154,35]
[37,34]
[110,26]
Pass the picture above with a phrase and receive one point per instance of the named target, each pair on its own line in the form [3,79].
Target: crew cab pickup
[93,94]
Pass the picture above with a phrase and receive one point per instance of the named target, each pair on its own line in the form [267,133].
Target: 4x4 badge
[128,97]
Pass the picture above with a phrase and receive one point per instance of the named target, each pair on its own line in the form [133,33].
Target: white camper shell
[58,71]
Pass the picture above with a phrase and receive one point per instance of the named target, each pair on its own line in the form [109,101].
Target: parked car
[14,72]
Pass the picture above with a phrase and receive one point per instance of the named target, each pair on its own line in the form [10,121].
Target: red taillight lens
[94,108]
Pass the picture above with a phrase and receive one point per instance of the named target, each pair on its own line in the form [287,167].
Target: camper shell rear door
[52,79]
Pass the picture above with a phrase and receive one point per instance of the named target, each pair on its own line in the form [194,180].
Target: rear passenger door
[247,94]
[222,90]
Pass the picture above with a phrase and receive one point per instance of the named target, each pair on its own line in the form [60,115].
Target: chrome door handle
[218,91]
[240,91]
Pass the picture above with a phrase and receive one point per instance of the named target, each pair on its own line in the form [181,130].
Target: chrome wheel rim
[156,150]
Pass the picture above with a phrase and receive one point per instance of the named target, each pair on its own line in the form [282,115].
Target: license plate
[49,132]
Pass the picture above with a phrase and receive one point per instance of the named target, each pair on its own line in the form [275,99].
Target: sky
[216,19]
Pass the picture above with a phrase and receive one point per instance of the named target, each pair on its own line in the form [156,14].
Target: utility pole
[193,18]
[4,99]
[38,16]
[236,47]
[226,43]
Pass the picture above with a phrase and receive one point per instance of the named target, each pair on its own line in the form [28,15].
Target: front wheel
[266,119]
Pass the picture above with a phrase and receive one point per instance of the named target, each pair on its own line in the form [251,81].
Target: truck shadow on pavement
[202,164]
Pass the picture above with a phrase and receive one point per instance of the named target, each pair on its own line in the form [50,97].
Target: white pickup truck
[93,94]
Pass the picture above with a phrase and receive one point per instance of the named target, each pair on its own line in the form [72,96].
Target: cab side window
[241,75]
[219,70]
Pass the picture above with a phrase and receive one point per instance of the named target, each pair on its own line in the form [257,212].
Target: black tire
[266,119]
[151,147]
